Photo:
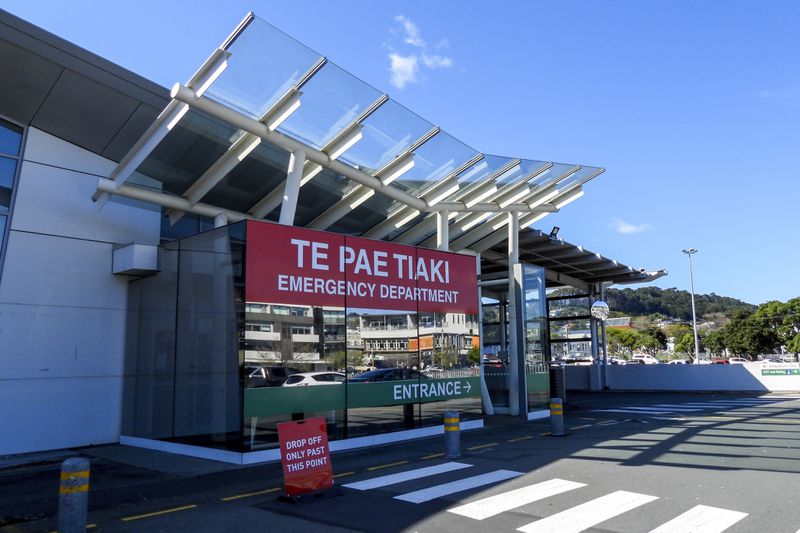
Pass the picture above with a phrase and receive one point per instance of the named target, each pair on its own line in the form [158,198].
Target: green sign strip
[270,401]
[780,371]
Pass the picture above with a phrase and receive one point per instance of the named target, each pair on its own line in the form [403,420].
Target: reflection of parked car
[314,378]
[617,361]
[678,362]
[492,361]
[388,374]
[267,376]
[643,358]
[737,360]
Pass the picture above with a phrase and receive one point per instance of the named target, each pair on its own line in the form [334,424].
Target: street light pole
[690,252]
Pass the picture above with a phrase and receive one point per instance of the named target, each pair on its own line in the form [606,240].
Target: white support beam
[359,194]
[168,201]
[442,231]
[480,235]
[334,148]
[163,124]
[432,195]
[514,316]
[292,188]
[513,239]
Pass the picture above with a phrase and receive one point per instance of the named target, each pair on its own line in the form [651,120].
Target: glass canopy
[270,77]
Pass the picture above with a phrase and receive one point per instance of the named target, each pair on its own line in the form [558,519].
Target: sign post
[305,458]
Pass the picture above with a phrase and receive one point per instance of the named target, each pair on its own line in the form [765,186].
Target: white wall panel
[47,414]
[62,310]
[54,196]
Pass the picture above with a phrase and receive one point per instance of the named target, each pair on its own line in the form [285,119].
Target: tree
[714,341]
[685,344]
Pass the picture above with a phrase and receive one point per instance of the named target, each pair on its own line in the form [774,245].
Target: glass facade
[10,152]
[568,312]
[535,327]
[182,365]
[208,362]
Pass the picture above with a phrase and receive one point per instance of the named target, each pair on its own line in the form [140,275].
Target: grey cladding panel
[130,132]
[25,81]
[84,112]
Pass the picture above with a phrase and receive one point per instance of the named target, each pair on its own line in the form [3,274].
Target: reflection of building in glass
[391,337]
[292,333]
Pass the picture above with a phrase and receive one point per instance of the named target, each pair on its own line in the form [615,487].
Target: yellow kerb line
[343,474]
[482,446]
[248,494]
[432,456]
[157,513]
[519,439]
[387,465]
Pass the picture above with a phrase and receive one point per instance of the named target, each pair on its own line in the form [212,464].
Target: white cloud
[413,36]
[625,228]
[435,61]
[405,69]
[406,65]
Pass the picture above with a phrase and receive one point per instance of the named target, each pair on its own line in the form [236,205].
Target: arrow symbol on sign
[468,386]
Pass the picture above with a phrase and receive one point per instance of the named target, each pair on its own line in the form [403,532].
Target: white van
[643,358]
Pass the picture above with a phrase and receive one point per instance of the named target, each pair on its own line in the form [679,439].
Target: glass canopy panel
[263,65]
[530,166]
[251,180]
[331,100]
[580,175]
[188,150]
[549,176]
[433,161]
[387,132]
[318,195]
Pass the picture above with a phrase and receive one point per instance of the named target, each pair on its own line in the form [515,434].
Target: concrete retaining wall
[744,377]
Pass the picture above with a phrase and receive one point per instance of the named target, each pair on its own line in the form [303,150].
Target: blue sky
[693,107]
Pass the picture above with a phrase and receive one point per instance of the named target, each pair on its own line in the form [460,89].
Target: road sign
[305,456]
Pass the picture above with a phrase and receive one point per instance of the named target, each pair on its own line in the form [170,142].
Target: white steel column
[513,318]
[443,230]
[292,189]
[220,220]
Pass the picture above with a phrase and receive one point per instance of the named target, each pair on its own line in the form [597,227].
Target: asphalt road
[630,462]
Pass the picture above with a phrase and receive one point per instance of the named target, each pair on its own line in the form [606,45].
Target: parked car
[737,360]
[267,376]
[617,361]
[679,362]
[644,359]
[388,374]
[307,379]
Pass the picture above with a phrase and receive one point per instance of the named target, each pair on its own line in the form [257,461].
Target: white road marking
[629,411]
[506,501]
[391,479]
[438,491]
[701,519]
[589,514]
[676,407]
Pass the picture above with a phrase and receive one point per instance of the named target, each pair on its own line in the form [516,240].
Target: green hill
[672,303]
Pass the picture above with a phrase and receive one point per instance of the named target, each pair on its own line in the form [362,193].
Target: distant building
[619,322]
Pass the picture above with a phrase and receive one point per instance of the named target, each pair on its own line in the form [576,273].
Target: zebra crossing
[580,517]
[689,408]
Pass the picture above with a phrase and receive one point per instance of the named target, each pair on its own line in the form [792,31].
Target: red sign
[305,456]
[290,265]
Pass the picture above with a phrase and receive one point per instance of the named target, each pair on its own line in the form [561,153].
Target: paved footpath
[630,462]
